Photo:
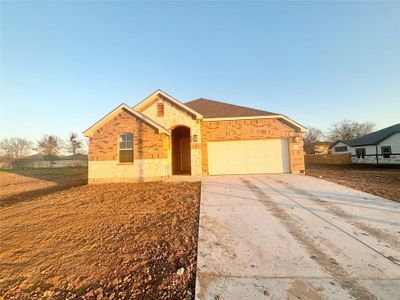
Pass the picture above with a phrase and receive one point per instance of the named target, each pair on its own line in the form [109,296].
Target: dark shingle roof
[215,109]
[375,137]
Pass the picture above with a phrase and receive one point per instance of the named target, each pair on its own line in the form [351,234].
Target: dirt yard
[114,241]
[383,182]
[24,184]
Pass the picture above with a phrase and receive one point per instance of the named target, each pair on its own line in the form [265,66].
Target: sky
[64,65]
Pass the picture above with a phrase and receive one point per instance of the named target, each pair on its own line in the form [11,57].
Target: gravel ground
[114,241]
[379,181]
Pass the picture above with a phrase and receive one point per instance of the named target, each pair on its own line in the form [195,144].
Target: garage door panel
[247,157]
[256,157]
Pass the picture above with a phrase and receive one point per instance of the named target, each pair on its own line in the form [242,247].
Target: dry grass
[382,182]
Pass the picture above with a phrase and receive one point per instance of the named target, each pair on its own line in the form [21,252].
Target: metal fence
[45,164]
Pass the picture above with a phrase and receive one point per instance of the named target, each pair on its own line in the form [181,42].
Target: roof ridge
[375,137]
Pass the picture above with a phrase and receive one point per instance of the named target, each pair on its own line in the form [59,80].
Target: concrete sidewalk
[290,237]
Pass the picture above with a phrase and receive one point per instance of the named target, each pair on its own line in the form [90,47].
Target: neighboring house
[379,147]
[78,156]
[321,147]
[162,136]
[341,147]
[318,148]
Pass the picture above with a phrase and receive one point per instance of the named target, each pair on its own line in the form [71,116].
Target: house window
[341,148]
[126,148]
[160,109]
[386,151]
[360,152]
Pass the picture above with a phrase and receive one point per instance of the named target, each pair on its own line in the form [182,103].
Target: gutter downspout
[377,160]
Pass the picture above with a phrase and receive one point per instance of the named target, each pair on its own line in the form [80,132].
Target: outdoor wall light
[194,138]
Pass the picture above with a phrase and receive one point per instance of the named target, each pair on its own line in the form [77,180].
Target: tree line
[339,131]
[49,146]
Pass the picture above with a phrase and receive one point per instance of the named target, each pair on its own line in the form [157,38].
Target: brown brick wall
[252,130]
[328,159]
[148,144]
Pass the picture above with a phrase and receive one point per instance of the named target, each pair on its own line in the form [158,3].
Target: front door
[185,155]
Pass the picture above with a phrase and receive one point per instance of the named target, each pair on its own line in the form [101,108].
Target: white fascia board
[89,132]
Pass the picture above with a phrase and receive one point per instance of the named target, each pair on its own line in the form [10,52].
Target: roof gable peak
[161,93]
[89,132]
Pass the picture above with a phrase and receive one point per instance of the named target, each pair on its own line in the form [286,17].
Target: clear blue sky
[64,65]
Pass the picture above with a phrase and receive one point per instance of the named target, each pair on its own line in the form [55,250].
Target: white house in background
[379,147]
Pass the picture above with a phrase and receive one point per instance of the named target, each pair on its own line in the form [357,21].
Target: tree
[312,136]
[85,147]
[16,148]
[74,144]
[348,130]
[49,146]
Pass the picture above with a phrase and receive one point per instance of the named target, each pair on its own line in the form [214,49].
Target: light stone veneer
[195,156]
[173,118]
[140,170]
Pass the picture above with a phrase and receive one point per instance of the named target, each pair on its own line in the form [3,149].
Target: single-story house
[318,148]
[321,147]
[379,147]
[161,136]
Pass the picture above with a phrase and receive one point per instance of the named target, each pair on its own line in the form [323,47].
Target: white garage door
[248,157]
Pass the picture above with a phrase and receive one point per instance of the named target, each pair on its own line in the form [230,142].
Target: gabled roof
[373,138]
[323,143]
[89,132]
[161,93]
[376,137]
[216,109]
[340,141]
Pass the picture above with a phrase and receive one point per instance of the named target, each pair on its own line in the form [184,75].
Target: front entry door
[185,155]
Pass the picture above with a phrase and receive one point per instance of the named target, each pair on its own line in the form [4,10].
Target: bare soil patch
[379,181]
[24,184]
[114,241]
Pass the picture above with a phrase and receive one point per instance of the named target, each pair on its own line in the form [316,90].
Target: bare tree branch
[74,144]
[49,146]
[16,148]
[312,136]
[348,130]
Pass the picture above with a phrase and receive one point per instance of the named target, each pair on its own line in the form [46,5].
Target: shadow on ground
[18,185]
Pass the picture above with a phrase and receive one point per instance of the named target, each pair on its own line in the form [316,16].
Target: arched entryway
[181,163]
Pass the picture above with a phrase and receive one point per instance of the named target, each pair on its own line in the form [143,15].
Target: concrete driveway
[295,237]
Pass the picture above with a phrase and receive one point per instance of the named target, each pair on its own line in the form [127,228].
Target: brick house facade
[169,137]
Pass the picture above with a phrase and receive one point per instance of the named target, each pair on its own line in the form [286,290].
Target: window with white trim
[126,148]
[360,152]
[386,151]
[341,148]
